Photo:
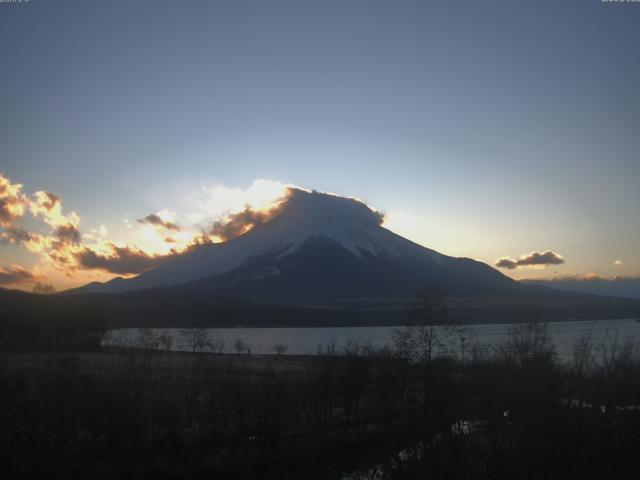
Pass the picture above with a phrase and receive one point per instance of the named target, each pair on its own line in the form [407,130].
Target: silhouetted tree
[427,331]
[196,338]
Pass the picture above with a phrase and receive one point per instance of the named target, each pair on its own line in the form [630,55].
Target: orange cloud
[12,201]
[235,224]
[581,277]
[49,207]
[65,249]
[239,223]
[47,201]
[16,275]
[56,248]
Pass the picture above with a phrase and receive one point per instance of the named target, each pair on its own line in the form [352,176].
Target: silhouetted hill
[616,287]
[49,321]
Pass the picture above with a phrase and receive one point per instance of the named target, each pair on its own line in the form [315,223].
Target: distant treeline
[37,322]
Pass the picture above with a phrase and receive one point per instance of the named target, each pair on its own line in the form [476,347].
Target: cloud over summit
[298,205]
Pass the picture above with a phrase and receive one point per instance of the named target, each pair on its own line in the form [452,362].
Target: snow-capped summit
[347,221]
[300,217]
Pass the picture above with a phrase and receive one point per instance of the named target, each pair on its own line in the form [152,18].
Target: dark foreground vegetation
[513,412]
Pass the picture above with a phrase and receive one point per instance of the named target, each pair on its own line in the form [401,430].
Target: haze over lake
[306,341]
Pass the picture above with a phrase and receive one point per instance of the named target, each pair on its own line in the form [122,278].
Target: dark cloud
[121,260]
[531,260]
[202,239]
[153,219]
[506,263]
[67,234]
[12,201]
[16,235]
[16,275]
[238,223]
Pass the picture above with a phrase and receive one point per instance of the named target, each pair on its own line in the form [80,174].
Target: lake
[303,341]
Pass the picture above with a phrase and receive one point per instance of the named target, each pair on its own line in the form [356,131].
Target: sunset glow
[467,157]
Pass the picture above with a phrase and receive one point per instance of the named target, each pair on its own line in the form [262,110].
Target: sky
[501,131]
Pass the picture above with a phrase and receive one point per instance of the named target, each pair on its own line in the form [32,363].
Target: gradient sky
[482,129]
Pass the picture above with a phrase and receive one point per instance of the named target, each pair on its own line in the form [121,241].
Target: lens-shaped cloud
[297,202]
[531,260]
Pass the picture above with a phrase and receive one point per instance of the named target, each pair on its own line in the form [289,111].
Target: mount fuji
[320,259]
[322,246]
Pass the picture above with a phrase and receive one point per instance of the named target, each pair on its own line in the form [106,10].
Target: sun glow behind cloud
[59,248]
[67,256]
[154,241]
[219,200]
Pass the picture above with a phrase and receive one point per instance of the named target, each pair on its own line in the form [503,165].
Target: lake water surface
[302,341]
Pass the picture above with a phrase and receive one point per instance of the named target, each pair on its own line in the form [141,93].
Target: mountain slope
[321,243]
[321,270]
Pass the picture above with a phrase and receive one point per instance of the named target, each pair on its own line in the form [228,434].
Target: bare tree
[583,356]
[196,338]
[216,342]
[280,348]
[147,340]
[528,342]
[166,341]
[427,331]
[43,289]
[239,345]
